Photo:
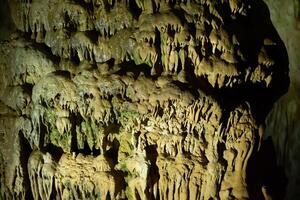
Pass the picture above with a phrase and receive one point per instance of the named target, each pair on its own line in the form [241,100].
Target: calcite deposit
[136,99]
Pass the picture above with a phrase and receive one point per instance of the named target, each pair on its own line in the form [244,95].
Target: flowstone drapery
[136,99]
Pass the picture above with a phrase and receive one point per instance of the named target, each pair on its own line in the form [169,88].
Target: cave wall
[283,122]
[136,99]
[6,23]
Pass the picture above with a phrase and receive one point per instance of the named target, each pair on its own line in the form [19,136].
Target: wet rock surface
[136,99]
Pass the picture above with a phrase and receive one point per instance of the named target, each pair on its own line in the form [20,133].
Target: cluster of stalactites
[123,81]
[71,177]
[198,38]
[187,165]
[99,102]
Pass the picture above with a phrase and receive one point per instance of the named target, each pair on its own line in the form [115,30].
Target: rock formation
[283,122]
[136,99]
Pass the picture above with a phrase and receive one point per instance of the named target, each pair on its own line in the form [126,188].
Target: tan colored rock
[139,99]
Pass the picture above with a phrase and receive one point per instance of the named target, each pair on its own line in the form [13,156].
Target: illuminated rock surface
[136,99]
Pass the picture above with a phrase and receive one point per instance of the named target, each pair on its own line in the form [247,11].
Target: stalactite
[136,99]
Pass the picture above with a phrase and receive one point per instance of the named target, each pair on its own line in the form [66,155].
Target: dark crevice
[74,57]
[152,154]
[135,69]
[197,83]
[134,9]
[92,35]
[86,149]
[186,87]
[27,89]
[55,151]
[159,111]
[44,134]
[95,152]
[119,180]
[63,73]
[137,196]
[230,98]
[111,63]
[25,151]
[157,68]
[155,7]
[263,171]
[54,193]
[112,154]
[70,26]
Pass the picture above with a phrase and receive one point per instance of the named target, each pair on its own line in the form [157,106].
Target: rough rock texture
[136,99]
[283,122]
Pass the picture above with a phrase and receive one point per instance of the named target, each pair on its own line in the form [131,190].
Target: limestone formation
[136,99]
